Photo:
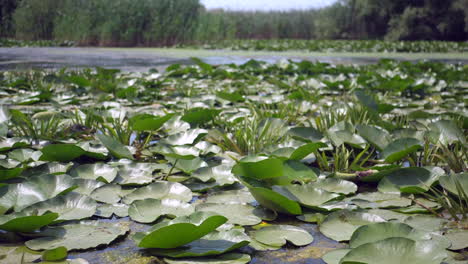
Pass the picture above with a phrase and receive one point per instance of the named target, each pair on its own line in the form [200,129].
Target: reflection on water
[144,59]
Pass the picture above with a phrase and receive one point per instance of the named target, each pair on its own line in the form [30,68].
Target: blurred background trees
[169,22]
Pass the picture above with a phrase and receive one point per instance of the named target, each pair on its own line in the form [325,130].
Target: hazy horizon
[265,5]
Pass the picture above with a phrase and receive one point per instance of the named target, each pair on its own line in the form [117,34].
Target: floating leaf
[21,222]
[341,225]
[277,235]
[80,236]
[55,254]
[61,152]
[379,231]
[180,231]
[215,243]
[149,210]
[96,171]
[399,149]
[410,180]
[397,250]
[71,206]
[239,214]
[116,148]
[275,201]
[160,190]
[306,195]
[36,189]
[146,122]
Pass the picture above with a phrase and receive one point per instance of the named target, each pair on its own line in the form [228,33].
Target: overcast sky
[265,4]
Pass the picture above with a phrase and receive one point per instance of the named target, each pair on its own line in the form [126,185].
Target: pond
[143,59]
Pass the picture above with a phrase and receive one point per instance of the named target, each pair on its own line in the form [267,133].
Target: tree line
[170,22]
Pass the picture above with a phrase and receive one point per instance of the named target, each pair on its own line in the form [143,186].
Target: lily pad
[229,197]
[379,200]
[61,152]
[379,231]
[36,189]
[160,190]
[22,222]
[335,256]
[335,185]
[180,231]
[72,206]
[239,214]
[96,171]
[306,195]
[221,174]
[450,183]
[397,250]
[277,235]
[80,236]
[149,210]
[215,243]
[107,210]
[410,180]
[459,239]
[399,149]
[275,201]
[116,148]
[341,225]
[109,193]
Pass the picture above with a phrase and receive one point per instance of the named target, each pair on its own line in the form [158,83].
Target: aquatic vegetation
[205,163]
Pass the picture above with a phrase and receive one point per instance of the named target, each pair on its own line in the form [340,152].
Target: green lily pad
[379,200]
[306,194]
[335,256]
[72,206]
[86,187]
[307,134]
[304,150]
[239,214]
[147,122]
[296,171]
[109,193]
[399,149]
[410,180]
[215,243]
[450,182]
[180,231]
[229,197]
[6,174]
[397,250]
[198,116]
[96,171]
[221,174]
[377,136]
[458,239]
[17,254]
[277,235]
[160,190]
[340,225]
[311,217]
[188,137]
[116,148]
[448,132]
[259,168]
[379,231]
[80,236]
[149,210]
[137,173]
[61,152]
[34,190]
[275,201]
[56,254]
[229,258]
[426,222]
[107,210]
[335,185]
[22,222]
[339,137]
